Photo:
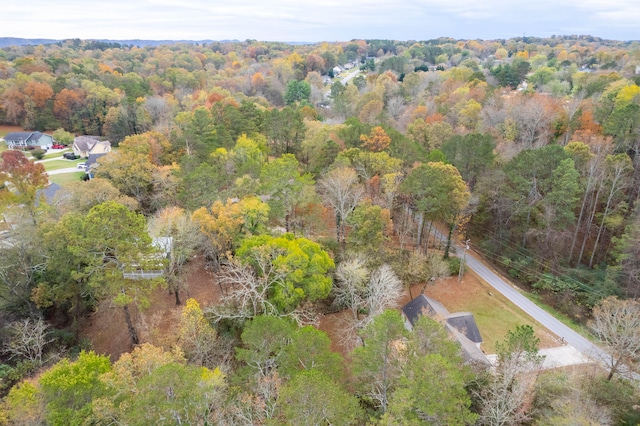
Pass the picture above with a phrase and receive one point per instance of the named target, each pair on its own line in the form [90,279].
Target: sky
[314,21]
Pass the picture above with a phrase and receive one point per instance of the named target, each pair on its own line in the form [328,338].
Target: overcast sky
[328,20]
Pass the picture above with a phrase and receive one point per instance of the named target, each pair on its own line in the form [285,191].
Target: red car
[58,146]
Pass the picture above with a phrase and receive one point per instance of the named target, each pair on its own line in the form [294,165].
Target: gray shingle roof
[414,309]
[47,193]
[22,136]
[465,324]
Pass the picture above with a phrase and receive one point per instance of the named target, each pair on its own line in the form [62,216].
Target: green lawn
[65,178]
[61,164]
[494,313]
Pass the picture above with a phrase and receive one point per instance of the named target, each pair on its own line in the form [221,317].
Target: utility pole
[464,258]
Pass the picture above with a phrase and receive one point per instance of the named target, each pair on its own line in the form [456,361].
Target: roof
[461,325]
[470,351]
[465,324]
[92,159]
[47,193]
[422,303]
[22,136]
[85,143]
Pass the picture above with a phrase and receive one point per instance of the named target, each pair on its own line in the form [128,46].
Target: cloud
[291,20]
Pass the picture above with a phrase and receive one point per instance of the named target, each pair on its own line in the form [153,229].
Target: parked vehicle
[82,166]
[70,156]
[58,146]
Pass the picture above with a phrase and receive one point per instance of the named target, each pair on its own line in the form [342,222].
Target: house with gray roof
[46,194]
[461,325]
[22,140]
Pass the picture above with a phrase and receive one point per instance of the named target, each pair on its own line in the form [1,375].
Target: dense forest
[313,179]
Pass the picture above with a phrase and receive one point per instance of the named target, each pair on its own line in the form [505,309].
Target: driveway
[63,171]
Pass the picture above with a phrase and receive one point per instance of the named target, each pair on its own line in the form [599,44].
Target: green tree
[263,341]
[68,388]
[297,268]
[431,391]
[63,137]
[91,255]
[157,386]
[285,130]
[310,350]
[471,154]
[24,405]
[311,398]
[286,187]
[297,91]
[195,132]
[437,192]
[378,364]
[181,392]
[371,227]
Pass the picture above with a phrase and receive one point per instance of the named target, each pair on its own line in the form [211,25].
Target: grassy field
[494,313]
[65,178]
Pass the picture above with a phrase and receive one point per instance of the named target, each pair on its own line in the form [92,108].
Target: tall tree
[21,179]
[437,192]
[505,397]
[471,154]
[378,364]
[286,187]
[311,398]
[68,388]
[296,268]
[94,253]
[341,190]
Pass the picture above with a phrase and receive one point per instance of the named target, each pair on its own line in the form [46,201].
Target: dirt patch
[106,328]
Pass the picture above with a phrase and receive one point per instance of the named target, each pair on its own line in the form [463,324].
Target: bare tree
[340,189]
[617,324]
[384,291]
[351,284]
[28,339]
[510,386]
[244,293]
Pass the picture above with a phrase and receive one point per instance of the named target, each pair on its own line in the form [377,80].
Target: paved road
[572,338]
[350,76]
[547,320]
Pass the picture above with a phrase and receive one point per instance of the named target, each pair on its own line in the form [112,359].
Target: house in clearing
[22,140]
[461,325]
[83,146]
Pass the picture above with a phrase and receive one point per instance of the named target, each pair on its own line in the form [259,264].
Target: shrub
[38,153]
